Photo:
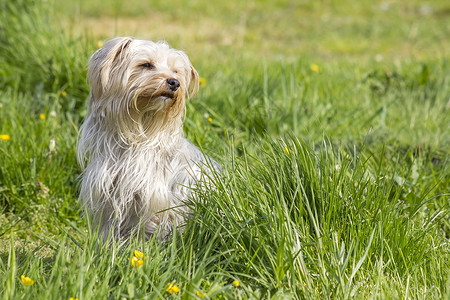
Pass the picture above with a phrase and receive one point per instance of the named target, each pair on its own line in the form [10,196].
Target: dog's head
[139,87]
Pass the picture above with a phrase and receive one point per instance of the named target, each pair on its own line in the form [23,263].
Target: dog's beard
[154,96]
[147,110]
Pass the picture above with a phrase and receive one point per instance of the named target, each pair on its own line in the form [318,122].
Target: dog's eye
[148,66]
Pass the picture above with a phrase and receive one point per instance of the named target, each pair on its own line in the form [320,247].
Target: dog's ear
[193,82]
[103,61]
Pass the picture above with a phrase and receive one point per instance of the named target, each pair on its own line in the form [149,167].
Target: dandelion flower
[209,119]
[315,68]
[202,81]
[71,298]
[286,150]
[236,283]
[4,137]
[200,294]
[26,280]
[172,288]
[42,116]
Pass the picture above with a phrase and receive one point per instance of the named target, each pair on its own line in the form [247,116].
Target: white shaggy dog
[137,166]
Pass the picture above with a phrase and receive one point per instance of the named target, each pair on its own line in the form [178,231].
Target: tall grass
[355,208]
[37,56]
[299,221]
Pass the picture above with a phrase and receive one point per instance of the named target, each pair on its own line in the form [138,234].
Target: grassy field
[330,119]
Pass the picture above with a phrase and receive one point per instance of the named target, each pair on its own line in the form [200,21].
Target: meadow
[330,119]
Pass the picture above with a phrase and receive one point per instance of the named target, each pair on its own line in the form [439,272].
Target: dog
[138,169]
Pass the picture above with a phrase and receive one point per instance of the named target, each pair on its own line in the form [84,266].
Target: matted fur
[137,166]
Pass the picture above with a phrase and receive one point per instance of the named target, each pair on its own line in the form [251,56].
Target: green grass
[335,183]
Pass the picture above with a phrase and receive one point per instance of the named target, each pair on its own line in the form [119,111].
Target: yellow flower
[63,93]
[315,68]
[202,81]
[71,298]
[200,294]
[136,262]
[26,280]
[138,259]
[139,254]
[236,283]
[42,116]
[286,150]
[100,43]
[209,119]
[172,288]
[4,137]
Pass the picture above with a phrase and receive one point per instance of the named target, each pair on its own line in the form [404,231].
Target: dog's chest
[160,178]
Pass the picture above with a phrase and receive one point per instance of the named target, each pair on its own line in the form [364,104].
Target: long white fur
[138,169]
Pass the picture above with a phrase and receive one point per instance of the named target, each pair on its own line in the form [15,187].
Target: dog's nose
[173,84]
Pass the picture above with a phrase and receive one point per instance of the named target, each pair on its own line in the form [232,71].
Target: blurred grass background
[325,30]
[364,84]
